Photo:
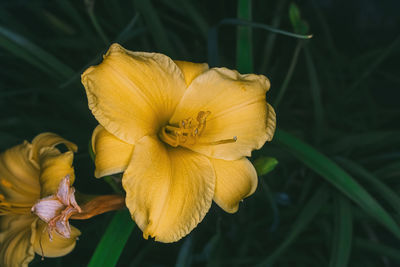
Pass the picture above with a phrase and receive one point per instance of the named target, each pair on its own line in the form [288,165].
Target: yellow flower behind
[180,132]
[29,172]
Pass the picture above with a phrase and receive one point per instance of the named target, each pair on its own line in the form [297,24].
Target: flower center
[189,131]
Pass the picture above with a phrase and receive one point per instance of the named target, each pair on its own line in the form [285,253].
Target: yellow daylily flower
[28,173]
[180,132]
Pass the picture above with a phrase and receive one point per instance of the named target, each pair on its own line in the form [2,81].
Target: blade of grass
[155,27]
[371,140]
[315,93]
[303,219]
[289,74]
[338,177]
[264,27]
[96,25]
[185,253]
[113,241]
[244,44]
[23,54]
[270,42]
[385,191]
[391,170]
[74,15]
[33,53]
[127,29]
[61,26]
[191,11]
[212,43]
[343,232]
[371,67]
[272,203]
[379,249]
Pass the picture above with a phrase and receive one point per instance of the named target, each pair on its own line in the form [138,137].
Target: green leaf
[265,165]
[379,249]
[25,49]
[299,25]
[343,232]
[244,43]
[289,74]
[385,191]
[185,253]
[391,170]
[315,93]
[305,217]
[96,24]
[294,14]
[113,241]
[338,177]
[155,27]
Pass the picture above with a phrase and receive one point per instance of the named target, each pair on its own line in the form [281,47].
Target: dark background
[341,96]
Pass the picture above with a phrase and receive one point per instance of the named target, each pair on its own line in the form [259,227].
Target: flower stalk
[100,205]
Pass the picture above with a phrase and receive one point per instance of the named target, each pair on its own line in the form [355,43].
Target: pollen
[189,131]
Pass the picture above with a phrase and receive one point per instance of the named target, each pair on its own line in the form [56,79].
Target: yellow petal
[238,111]
[133,94]
[49,140]
[15,240]
[168,190]
[54,166]
[18,176]
[112,154]
[191,70]
[235,180]
[58,247]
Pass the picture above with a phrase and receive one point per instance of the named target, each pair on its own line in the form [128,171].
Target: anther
[6,183]
[187,132]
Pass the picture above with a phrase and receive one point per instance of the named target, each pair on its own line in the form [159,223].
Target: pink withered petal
[56,209]
[72,201]
[63,190]
[63,228]
[47,208]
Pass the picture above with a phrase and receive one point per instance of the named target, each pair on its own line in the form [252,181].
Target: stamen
[189,131]
[220,142]
[6,183]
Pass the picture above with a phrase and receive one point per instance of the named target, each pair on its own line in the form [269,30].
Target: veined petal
[112,154]
[238,111]
[235,180]
[54,166]
[168,190]
[191,70]
[48,208]
[49,140]
[58,247]
[15,240]
[18,176]
[133,94]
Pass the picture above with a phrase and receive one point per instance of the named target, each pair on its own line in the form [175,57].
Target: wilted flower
[28,173]
[181,133]
[56,209]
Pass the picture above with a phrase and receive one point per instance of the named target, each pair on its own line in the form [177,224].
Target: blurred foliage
[333,199]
